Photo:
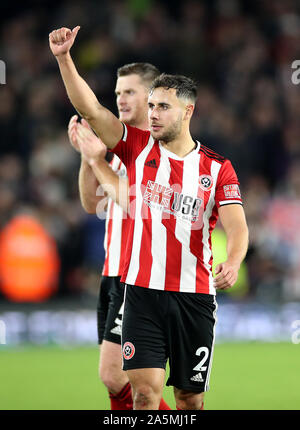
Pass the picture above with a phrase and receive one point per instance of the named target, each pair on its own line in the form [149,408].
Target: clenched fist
[61,40]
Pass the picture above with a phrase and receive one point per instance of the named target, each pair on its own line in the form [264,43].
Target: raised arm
[233,220]
[106,125]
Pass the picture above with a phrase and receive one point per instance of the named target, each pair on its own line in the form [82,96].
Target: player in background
[132,88]
[182,188]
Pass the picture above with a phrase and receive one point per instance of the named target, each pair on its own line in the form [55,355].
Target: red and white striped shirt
[116,230]
[173,211]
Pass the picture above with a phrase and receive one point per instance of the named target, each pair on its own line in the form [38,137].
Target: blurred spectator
[279,239]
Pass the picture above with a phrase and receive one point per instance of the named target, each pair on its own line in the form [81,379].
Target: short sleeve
[227,189]
[132,143]
[117,165]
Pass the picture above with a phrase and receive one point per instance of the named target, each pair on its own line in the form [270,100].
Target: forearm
[88,186]
[103,122]
[237,244]
[115,187]
[80,94]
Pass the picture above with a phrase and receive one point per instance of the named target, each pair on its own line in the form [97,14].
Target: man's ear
[189,110]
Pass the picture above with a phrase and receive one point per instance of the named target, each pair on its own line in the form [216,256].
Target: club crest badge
[205,182]
[128,350]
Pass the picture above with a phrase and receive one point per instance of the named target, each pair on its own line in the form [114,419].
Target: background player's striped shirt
[173,213]
[115,230]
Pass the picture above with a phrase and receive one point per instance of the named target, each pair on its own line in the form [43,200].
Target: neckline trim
[171,154]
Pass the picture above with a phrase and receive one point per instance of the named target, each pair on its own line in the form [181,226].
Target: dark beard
[172,133]
[169,136]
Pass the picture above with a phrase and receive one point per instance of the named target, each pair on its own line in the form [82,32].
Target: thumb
[85,123]
[218,268]
[75,30]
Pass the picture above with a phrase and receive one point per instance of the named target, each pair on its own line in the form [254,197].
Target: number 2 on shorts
[200,366]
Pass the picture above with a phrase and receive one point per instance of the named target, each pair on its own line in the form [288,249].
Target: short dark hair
[146,71]
[185,87]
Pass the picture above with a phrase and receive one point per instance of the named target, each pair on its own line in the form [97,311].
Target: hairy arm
[107,126]
[233,220]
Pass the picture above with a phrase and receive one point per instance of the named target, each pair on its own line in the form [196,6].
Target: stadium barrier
[2,333]
[235,322]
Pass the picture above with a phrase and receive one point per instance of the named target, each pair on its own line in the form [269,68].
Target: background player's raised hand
[61,40]
[72,132]
[91,147]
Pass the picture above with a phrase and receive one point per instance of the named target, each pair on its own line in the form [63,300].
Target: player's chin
[156,134]
[126,117]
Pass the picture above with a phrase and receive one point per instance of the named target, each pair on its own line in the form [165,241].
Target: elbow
[94,206]
[89,207]
[90,211]
[243,232]
[246,233]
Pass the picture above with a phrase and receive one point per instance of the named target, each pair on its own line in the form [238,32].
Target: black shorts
[161,325]
[110,309]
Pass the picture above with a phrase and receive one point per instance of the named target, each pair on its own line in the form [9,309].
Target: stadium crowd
[248,110]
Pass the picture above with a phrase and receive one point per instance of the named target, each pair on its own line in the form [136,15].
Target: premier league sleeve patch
[227,188]
[228,194]
[232,191]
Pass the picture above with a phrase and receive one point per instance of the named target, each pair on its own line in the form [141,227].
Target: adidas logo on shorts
[197,378]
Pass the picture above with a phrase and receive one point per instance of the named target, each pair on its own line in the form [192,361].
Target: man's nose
[121,99]
[153,114]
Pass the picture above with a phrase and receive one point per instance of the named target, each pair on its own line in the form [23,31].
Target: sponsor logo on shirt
[232,191]
[186,207]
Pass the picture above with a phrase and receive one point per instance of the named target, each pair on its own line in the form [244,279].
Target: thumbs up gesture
[61,40]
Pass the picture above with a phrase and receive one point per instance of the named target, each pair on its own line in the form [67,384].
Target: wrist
[98,160]
[84,162]
[63,58]
[234,262]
